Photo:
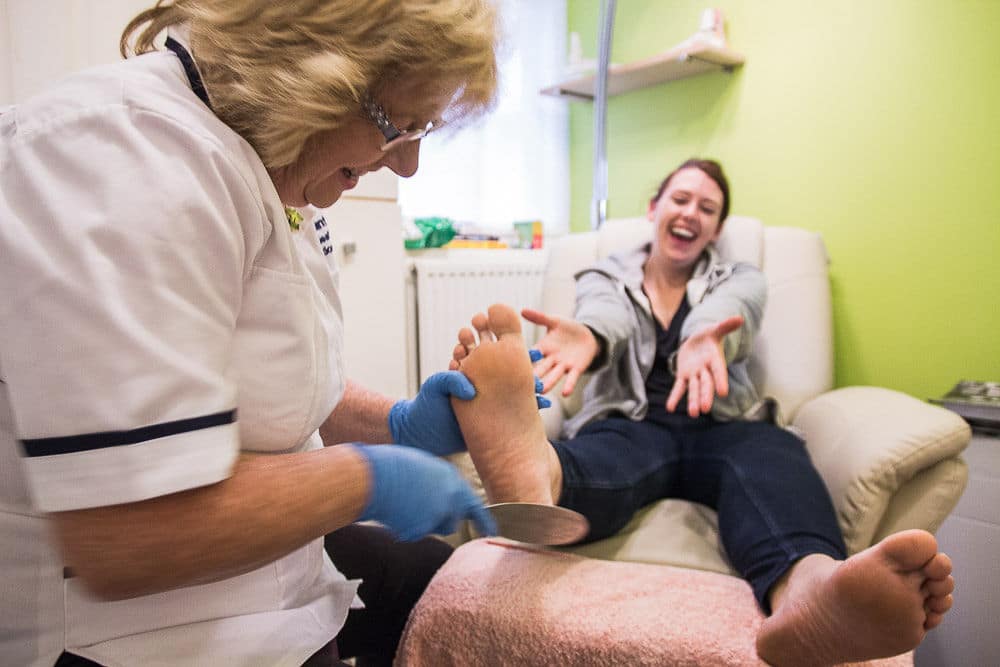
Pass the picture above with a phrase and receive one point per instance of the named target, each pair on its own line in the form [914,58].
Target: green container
[435,232]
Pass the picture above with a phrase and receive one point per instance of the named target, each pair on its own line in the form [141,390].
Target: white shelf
[677,63]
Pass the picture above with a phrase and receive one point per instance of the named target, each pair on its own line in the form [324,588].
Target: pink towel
[501,603]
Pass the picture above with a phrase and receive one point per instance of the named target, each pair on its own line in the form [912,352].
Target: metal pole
[599,202]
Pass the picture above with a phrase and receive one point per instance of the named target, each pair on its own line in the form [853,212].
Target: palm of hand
[701,368]
[569,348]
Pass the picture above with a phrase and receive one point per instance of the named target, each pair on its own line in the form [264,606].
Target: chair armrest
[874,447]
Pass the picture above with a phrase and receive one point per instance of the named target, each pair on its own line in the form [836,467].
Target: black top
[661,380]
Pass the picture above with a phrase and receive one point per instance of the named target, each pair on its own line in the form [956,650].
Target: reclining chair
[661,591]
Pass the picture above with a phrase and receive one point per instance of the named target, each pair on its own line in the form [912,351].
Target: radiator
[443,293]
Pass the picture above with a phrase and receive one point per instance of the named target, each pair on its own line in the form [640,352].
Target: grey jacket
[610,300]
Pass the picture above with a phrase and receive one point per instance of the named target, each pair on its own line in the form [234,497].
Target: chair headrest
[742,240]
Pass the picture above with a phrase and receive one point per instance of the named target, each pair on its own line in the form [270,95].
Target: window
[512,165]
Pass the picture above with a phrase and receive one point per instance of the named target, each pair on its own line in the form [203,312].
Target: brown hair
[713,170]
[279,72]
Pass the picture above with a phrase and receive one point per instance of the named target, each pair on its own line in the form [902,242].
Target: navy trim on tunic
[88,441]
[197,85]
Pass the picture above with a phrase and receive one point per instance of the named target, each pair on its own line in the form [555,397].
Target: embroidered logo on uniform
[323,232]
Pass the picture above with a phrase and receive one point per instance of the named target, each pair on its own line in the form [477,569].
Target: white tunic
[157,316]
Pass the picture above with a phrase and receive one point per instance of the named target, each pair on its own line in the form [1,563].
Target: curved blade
[539,524]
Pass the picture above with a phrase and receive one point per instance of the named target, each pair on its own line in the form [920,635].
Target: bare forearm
[361,416]
[269,507]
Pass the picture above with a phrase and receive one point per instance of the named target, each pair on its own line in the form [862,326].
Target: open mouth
[682,233]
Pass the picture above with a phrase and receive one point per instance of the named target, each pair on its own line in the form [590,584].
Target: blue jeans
[773,507]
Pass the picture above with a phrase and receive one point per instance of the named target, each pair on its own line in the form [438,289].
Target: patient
[670,324]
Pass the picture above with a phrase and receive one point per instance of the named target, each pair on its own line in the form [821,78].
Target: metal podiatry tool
[539,524]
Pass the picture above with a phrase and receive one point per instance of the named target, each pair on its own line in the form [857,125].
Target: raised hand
[701,368]
[568,349]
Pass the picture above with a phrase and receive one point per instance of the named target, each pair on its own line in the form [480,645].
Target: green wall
[874,122]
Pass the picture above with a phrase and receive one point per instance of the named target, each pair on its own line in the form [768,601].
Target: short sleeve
[124,252]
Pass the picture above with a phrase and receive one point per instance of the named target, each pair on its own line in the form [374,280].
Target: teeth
[682,232]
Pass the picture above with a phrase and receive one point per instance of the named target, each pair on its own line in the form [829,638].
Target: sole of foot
[501,425]
[878,603]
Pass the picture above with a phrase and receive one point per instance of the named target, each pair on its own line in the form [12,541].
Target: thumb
[728,325]
[538,317]
[451,383]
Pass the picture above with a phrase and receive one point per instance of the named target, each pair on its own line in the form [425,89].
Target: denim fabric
[772,504]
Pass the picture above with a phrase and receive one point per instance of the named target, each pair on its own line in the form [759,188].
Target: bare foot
[878,603]
[501,425]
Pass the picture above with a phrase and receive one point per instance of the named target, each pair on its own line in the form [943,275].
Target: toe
[482,326]
[933,620]
[909,550]
[939,605]
[467,340]
[939,587]
[504,320]
[460,352]
[938,567]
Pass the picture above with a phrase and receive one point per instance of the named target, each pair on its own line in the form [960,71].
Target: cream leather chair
[890,461]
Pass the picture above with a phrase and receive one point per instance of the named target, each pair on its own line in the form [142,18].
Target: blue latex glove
[415,494]
[535,355]
[540,400]
[427,421]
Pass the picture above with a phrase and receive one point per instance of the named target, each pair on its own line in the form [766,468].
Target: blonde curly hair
[279,72]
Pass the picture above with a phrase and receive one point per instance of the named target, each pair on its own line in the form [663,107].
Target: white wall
[44,40]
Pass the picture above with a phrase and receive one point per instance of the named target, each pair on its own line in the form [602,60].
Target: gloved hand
[427,421]
[542,402]
[415,494]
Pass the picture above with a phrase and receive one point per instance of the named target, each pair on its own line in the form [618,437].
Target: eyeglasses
[393,135]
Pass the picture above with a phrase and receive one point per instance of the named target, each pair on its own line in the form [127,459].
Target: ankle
[555,472]
[803,574]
